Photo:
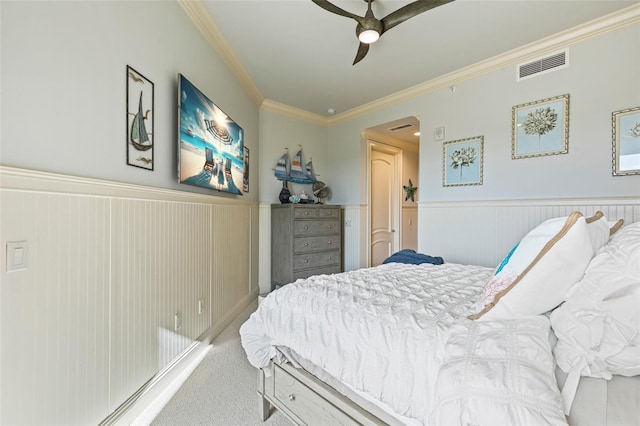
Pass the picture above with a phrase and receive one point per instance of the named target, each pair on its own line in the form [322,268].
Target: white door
[384,202]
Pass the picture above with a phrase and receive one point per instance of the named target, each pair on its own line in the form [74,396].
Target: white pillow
[538,272]
[598,228]
[498,373]
[598,327]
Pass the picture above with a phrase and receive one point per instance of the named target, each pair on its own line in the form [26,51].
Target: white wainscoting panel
[55,313]
[355,237]
[409,228]
[91,320]
[482,232]
[160,254]
[231,258]
[264,280]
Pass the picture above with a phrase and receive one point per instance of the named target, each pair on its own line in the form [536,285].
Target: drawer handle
[306,244]
[306,261]
[328,226]
[329,213]
[306,213]
[330,258]
[330,242]
[292,397]
[306,227]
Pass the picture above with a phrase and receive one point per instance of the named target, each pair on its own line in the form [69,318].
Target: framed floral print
[540,128]
[626,141]
[462,161]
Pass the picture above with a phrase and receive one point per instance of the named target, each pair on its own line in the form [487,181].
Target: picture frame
[210,143]
[140,119]
[626,141]
[245,179]
[462,162]
[540,128]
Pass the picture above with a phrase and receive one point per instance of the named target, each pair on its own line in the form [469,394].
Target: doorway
[384,211]
[392,160]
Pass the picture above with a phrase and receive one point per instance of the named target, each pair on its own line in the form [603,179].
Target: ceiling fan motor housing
[369,24]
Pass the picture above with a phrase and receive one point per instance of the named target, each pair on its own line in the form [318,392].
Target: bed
[462,344]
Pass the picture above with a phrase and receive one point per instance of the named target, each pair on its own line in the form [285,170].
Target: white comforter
[386,331]
[380,330]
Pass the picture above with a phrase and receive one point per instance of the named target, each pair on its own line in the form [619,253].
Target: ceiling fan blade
[409,11]
[363,49]
[326,5]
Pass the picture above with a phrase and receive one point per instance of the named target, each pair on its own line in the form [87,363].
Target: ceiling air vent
[400,127]
[543,66]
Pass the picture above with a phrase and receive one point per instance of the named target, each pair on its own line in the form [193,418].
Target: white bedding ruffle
[380,330]
[498,373]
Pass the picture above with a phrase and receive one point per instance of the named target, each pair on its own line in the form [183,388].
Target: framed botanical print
[626,141]
[540,128]
[462,162]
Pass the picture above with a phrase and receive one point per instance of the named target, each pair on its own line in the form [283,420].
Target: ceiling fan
[369,28]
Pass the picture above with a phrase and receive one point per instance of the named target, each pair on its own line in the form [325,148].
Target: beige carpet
[221,390]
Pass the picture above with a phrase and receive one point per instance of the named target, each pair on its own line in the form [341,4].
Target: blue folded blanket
[413,258]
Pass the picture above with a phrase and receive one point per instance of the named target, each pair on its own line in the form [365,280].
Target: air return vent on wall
[542,66]
[400,127]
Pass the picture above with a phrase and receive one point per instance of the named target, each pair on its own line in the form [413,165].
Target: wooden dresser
[306,239]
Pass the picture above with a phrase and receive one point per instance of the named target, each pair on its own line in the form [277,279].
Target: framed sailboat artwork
[211,145]
[140,117]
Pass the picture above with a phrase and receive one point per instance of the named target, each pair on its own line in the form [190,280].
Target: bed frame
[306,400]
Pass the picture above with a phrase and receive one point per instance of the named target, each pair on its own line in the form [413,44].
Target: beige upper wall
[603,76]
[278,132]
[64,85]
[63,101]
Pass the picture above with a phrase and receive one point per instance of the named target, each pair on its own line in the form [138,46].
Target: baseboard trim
[143,406]
[217,328]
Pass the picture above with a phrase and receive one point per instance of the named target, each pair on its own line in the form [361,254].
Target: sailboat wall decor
[296,171]
[140,117]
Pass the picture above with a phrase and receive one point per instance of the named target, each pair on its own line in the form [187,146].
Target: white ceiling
[300,55]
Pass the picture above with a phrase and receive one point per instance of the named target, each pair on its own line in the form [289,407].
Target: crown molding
[596,27]
[201,17]
[269,105]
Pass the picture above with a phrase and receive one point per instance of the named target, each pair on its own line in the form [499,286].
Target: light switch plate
[17,256]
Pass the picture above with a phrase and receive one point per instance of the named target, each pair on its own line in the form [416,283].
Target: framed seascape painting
[211,145]
[462,162]
[626,142]
[540,128]
[139,120]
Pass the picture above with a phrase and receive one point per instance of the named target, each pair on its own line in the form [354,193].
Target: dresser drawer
[306,404]
[317,227]
[307,244]
[329,213]
[308,212]
[314,260]
[325,270]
